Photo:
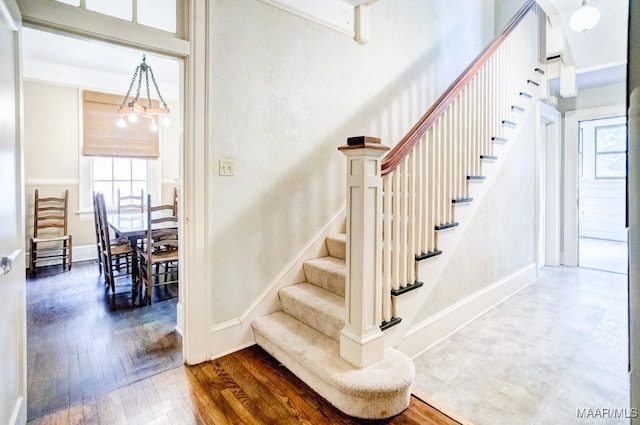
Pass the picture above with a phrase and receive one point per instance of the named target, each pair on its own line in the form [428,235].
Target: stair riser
[337,247]
[308,314]
[330,280]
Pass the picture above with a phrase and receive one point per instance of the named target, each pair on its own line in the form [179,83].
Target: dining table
[132,226]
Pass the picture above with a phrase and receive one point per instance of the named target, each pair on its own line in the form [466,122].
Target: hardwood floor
[246,387]
[82,342]
[97,359]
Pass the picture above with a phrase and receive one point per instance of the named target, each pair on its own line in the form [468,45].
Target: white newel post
[361,340]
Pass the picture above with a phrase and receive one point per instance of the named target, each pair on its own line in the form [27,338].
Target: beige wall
[53,162]
[286,93]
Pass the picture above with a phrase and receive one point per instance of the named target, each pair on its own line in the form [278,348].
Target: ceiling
[599,54]
[92,64]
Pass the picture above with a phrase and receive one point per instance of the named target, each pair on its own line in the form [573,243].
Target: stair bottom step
[379,391]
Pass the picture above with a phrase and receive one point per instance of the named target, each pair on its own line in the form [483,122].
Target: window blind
[102,137]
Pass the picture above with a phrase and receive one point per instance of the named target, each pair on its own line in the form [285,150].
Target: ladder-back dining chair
[160,249]
[113,242]
[131,203]
[113,251]
[51,241]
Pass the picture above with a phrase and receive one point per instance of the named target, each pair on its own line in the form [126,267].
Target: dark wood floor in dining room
[82,342]
[92,361]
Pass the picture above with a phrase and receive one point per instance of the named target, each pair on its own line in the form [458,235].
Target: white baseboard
[180,319]
[236,334]
[84,253]
[19,414]
[429,332]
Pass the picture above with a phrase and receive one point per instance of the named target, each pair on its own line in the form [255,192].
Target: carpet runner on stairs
[304,337]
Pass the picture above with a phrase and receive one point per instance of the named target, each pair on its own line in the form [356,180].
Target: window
[611,146]
[126,174]
[160,14]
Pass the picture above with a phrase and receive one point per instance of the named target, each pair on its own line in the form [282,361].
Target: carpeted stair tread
[326,272]
[378,391]
[337,245]
[314,306]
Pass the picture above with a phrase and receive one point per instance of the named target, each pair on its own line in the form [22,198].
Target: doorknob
[7,262]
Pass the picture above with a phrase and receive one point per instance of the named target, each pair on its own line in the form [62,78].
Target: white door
[13,345]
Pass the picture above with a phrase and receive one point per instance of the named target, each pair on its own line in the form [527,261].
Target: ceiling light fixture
[132,109]
[584,18]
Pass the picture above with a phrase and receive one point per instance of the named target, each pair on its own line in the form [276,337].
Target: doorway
[602,172]
[76,329]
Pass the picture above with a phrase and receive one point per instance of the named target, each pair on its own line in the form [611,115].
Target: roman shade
[102,137]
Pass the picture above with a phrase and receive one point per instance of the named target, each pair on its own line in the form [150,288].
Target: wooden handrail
[402,149]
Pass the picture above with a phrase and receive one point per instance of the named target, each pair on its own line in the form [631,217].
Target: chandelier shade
[130,106]
[584,18]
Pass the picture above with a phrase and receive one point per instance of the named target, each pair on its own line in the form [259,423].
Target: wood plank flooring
[97,359]
[82,342]
[246,387]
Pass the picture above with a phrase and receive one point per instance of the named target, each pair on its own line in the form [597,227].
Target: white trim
[19,408]
[548,173]
[180,319]
[195,295]
[93,25]
[11,13]
[236,333]
[52,182]
[570,184]
[337,15]
[84,253]
[426,334]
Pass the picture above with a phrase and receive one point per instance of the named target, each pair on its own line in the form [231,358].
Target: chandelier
[132,109]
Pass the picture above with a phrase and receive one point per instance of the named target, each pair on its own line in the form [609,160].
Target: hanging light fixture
[584,18]
[132,109]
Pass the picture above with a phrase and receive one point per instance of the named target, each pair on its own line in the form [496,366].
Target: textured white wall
[286,92]
[500,238]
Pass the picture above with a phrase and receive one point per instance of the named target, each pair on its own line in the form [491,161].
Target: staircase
[305,336]
[401,212]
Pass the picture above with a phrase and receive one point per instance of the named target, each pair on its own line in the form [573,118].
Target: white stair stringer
[379,391]
[429,270]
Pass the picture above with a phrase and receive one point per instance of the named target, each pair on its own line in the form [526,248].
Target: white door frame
[13,321]
[570,202]
[194,297]
[548,185]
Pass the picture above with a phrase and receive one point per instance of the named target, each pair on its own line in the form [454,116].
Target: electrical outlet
[226,167]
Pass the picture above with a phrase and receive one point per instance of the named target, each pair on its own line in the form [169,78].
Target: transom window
[127,174]
[160,14]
